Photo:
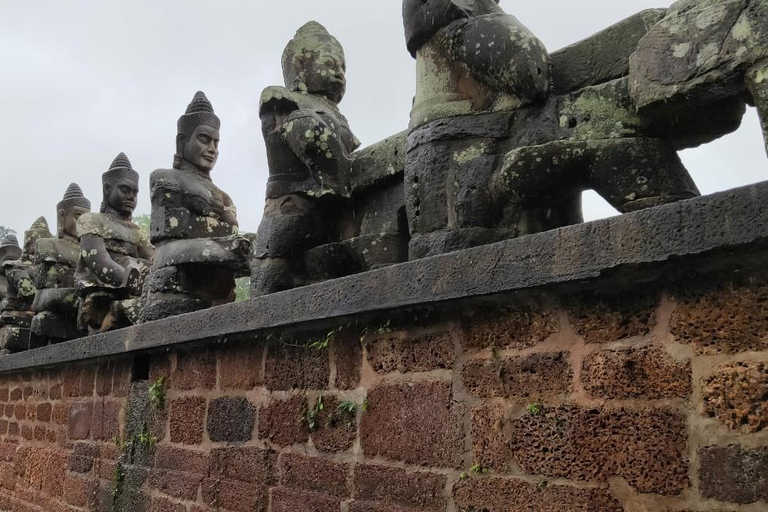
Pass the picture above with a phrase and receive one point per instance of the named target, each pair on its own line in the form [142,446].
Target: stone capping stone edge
[727,220]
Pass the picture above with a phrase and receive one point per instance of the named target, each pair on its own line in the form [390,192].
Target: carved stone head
[69,209]
[197,139]
[120,187]
[39,229]
[9,249]
[314,63]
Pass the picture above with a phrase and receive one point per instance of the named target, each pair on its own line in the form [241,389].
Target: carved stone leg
[270,275]
[757,83]
[14,338]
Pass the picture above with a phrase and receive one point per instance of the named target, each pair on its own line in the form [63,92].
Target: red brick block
[420,353]
[5,394]
[27,432]
[44,412]
[3,427]
[187,417]
[60,413]
[240,365]
[603,318]
[647,447]
[176,484]
[399,487]
[246,464]
[78,490]
[534,377]
[55,392]
[290,367]
[416,423]
[80,417]
[283,422]
[83,456]
[306,473]
[195,369]
[335,429]
[287,500]
[121,377]
[647,373]
[104,379]
[736,395]
[166,505]
[181,459]
[16,394]
[502,494]
[348,355]
[39,433]
[106,421]
[20,412]
[14,429]
[234,496]
[734,474]
[509,328]
[7,476]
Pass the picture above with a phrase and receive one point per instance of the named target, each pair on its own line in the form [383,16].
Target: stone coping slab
[735,219]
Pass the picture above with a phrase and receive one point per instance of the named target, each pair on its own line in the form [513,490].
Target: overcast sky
[81,80]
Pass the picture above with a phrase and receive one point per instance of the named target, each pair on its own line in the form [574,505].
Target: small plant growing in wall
[312,412]
[534,409]
[157,394]
[478,469]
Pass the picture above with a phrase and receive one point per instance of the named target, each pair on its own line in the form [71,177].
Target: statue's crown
[121,168]
[39,229]
[73,197]
[199,111]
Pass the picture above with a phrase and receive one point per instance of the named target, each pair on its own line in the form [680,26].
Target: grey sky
[81,80]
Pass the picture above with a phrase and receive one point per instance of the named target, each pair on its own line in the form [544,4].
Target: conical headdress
[39,229]
[199,111]
[310,38]
[73,197]
[10,241]
[120,168]
[9,249]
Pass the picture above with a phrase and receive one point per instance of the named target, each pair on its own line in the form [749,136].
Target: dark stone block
[230,419]
[734,474]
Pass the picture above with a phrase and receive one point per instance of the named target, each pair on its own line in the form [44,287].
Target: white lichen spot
[681,50]
[173,222]
[708,55]
[742,30]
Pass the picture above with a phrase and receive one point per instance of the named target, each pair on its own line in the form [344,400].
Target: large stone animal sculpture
[114,254]
[194,224]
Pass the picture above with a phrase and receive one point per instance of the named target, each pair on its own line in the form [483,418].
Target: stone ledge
[732,220]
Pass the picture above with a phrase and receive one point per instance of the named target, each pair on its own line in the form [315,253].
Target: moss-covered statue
[55,303]
[194,224]
[309,144]
[114,254]
[16,316]
[9,251]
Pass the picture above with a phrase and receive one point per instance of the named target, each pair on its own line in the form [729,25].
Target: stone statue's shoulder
[93,223]
[55,250]
[275,97]
[166,177]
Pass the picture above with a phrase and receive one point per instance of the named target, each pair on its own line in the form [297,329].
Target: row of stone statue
[503,139]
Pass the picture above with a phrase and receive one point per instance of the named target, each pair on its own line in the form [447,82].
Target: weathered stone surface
[502,494]
[734,474]
[757,77]
[604,318]
[240,366]
[603,56]
[533,378]
[399,488]
[637,372]
[283,422]
[646,447]
[629,245]
[314,474]
[187,420]
[736,395]
[420,353]
[514,328]
[296,367]
[245,464]
[429,431]
[335,428]
[287,500]
[230,419]
[725,319]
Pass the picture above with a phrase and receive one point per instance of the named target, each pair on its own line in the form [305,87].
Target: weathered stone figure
[194,224]
[309,144]
[492,154]
[114,254]
[55,302]
[16,316]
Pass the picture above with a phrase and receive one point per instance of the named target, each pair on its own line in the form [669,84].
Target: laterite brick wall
[644,399]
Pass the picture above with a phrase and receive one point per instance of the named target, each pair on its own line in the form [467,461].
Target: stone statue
[114,254]
[9,251]
[55,303]
[16,316]
[309,146]
[493,154]
[194,224]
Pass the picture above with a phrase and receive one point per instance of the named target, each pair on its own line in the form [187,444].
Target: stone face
[723,320]
[734,474]
[646,447]
[735,394]
[638,372]
[535,377]
[502,494]
[428,431]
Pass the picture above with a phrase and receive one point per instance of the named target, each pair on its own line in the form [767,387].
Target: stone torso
[286,115]
[187,204]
